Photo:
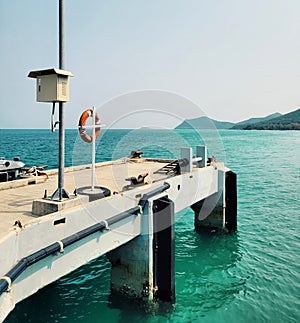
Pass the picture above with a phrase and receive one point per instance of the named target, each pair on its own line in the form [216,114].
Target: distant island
[275,121]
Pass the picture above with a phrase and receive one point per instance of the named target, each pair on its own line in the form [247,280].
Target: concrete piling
[220,209]
[144,267]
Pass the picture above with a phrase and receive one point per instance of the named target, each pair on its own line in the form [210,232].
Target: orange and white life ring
[82,121]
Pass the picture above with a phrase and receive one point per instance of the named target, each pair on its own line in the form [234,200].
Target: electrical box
[52,85]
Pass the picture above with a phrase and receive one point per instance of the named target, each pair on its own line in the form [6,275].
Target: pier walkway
[16,197]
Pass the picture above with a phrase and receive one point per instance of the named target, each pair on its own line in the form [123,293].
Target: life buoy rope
[82,121]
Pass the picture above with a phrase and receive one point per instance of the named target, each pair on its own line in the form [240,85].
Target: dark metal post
[60,193]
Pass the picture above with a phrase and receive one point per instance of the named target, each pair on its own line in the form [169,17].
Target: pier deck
[16,202]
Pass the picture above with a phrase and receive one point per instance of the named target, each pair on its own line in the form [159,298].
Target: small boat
[10,169]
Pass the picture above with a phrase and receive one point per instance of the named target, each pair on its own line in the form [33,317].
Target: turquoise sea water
[250,276]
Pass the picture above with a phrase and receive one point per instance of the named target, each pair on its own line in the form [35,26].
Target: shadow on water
[81,295]
[140,311]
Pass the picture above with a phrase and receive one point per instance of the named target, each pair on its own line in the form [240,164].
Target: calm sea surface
[250,276]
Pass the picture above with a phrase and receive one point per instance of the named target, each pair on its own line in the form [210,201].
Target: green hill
[242,124]
[275,121]
[289,121]
[204,123]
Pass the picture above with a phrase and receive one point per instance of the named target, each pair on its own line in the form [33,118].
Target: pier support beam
[164,249]
[144,267]
[220,209]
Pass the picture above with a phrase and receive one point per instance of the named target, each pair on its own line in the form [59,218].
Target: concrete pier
[134,225]
[219,210]
[144,267]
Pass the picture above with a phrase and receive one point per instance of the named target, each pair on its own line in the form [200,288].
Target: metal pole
[93,150]
[60,193]
[61,35]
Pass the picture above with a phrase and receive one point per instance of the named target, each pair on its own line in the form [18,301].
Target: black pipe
[55,247]
[82,234]
[98,227]
[123,215]
[148,195]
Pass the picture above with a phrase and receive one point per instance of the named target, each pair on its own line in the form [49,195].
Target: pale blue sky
[233,58]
